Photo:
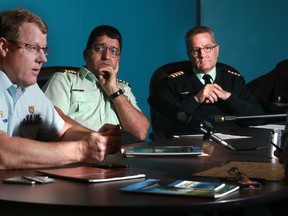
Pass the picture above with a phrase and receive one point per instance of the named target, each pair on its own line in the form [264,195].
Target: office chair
[47,72]
[271,89]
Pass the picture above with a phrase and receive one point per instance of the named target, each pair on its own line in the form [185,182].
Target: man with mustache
[93,95]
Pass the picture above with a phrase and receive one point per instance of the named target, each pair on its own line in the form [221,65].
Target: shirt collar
[212,73]
[6,83]
[85,73]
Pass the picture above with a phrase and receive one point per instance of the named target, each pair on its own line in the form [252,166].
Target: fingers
[279,155]
[98,145]
[109,127]
[213,92]
[106,72]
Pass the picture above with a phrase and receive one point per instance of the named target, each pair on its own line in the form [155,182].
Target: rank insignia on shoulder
[233,73]
[124,82]
[69,71]
[176,74]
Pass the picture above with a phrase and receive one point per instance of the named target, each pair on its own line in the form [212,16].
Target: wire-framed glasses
[194,51]
[101,48]
[31,48]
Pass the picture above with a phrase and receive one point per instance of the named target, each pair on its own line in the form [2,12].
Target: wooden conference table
[76,198]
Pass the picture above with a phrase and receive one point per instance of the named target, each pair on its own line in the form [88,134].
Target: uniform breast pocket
[81,101]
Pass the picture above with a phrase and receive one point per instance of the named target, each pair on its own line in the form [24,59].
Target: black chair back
[47,72]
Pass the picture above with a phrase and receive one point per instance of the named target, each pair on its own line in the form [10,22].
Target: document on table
[221,135]
[257,170]
[270,126]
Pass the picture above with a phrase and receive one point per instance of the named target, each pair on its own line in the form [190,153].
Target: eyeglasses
[35,49]
[103,49]
[239,176]
[196,50]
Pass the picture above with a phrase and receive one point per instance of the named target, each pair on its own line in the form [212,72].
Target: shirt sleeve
[129,94]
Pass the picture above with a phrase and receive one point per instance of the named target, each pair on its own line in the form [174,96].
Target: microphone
[223,118]
[188,121]
[208,134]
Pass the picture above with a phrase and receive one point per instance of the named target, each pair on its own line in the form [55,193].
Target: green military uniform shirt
[80,96]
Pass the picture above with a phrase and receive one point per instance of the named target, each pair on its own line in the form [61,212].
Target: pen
[78,90]
[110,165]
[277,147]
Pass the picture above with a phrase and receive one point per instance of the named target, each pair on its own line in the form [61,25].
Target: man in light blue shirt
[27,116]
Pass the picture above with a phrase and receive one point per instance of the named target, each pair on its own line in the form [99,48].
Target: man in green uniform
[93,95]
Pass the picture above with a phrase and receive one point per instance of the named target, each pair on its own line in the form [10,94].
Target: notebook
[183,188]
[163,150]
[91,174]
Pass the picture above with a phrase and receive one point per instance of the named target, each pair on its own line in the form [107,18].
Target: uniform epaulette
[124,82]
[69,71]
[176,74]
[233,72]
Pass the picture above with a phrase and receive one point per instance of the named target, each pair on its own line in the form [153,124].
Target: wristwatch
[116,94]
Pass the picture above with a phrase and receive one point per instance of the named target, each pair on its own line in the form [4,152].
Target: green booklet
[163,150]
[183,188]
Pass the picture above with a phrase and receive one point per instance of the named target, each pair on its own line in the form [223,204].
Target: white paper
[221,135]
[270,126]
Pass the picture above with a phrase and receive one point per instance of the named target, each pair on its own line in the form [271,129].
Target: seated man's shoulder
[74,72]
[283,63]
[227,70]
[66,74]
[175,75]
[232,72]
[123,83]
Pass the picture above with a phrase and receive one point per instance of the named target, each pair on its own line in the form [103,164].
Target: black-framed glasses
[31,48]
[100,48]
[194,51]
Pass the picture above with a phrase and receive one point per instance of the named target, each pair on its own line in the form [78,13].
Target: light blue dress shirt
[27,112]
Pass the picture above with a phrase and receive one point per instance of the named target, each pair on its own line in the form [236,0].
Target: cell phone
[40,179]
[19,180]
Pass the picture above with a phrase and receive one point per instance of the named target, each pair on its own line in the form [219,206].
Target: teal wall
[153,33]
[252,34]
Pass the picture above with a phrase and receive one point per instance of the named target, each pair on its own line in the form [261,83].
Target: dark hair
[110,31]
[11,21]
[198,30]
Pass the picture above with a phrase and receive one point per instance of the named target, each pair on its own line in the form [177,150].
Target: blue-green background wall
[252,34]
[152,30]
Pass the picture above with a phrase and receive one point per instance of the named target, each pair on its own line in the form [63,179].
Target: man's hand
[211,93]
[279,155]
[107,77]
[96,146]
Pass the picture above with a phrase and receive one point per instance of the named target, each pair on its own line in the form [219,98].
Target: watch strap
[116,94]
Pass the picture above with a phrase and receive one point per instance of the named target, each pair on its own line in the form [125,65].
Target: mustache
[107,62]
